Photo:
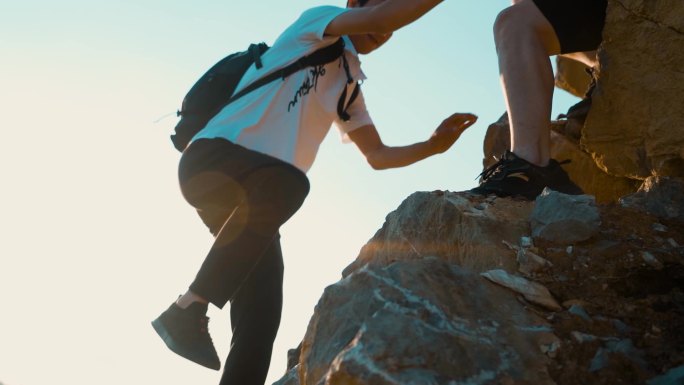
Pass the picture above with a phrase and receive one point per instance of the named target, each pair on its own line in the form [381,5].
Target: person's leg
[245,266]
[524,41]
[272,195]
[243,197]
[256,192]
[184,325]
[255,317]
[526,33]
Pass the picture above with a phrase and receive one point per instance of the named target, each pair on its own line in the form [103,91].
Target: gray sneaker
[186,333]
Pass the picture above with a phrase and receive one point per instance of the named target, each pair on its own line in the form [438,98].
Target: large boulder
[635,128]
[460,228]
[423,322]
[604,310]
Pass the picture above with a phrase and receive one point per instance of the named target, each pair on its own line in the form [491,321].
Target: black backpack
[214,90]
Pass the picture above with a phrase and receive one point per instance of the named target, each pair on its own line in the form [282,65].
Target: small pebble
[659,227]
[571,302]
[580,312]
[583,337]
[526,242]
[651,260]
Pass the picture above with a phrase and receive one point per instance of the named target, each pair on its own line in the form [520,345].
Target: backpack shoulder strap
[341,108]
[321,56]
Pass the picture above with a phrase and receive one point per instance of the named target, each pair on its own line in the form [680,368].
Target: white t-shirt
[289,119]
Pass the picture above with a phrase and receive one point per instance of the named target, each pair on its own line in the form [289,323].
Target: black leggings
[243,197]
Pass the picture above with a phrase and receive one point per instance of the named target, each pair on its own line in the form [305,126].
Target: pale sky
[95,237]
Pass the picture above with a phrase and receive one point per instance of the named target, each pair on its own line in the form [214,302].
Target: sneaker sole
[171,344]
[501,194]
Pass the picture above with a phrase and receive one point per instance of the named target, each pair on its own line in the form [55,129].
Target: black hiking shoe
[512,176]
[558,179]
[186,333]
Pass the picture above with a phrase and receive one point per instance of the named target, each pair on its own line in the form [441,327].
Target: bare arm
[382,157]
[385,17]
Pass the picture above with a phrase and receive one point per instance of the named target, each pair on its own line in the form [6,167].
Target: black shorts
[578,23]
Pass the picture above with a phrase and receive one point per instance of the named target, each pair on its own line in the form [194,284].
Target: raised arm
[382,157]
[385,17]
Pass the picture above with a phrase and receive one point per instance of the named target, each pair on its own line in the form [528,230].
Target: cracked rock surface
[635,128]
[596,312]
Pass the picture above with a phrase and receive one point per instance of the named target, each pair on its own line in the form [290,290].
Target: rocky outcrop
[635,128]
[451,227]
[414,325]
[659,196]
[559,311]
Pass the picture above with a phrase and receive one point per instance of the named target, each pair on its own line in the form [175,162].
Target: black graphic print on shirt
[309,84]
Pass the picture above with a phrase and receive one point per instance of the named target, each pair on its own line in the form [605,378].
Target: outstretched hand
[450,130]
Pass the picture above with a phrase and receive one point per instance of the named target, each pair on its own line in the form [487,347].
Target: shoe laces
[493,169]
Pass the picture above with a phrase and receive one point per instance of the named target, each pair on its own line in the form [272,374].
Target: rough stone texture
[564,145]
[564,219]
[572,76]
[424,320]
[635,128]
[290,378]
[611,346]
[530,263]
[662,197]
[532,291]
[583,170]
[673,377]
[460,228]
[469,331]
[497,140]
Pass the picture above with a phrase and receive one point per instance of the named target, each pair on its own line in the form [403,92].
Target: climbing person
[245,174]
